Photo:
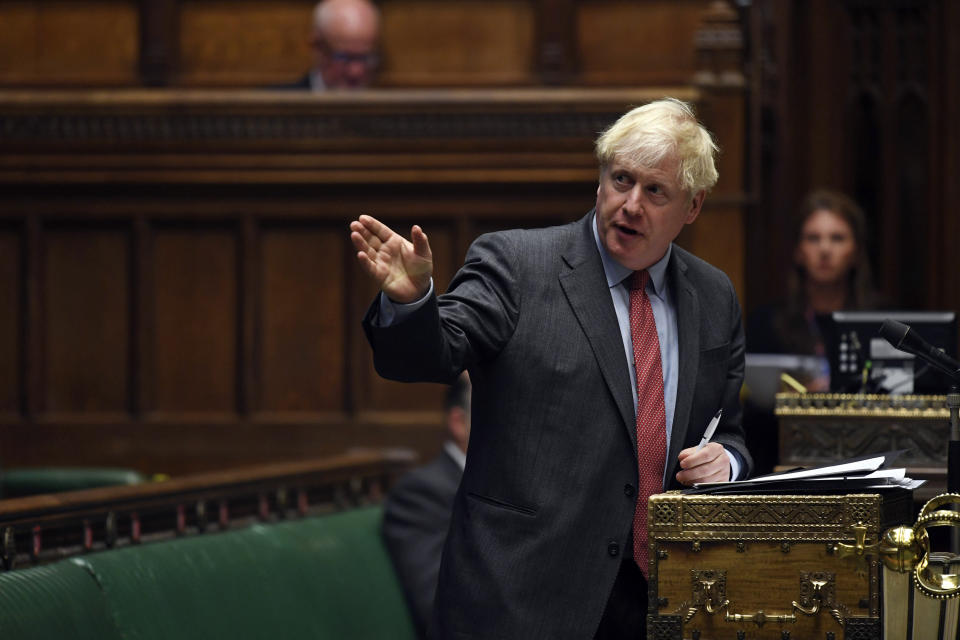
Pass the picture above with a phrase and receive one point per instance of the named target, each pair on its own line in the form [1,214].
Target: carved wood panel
[243,43]
[196,288]
[301,290]
[69,43]
[438,42]
[10,328]
[625,42]
[86,320]
[858,96]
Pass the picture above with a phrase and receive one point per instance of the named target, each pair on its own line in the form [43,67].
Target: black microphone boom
[900,336]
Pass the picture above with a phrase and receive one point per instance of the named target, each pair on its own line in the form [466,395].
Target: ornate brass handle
[759,618]
[708,588]
[817,593]
[935,585]
[908,548]
[816,597]
[715,600]
[860,546]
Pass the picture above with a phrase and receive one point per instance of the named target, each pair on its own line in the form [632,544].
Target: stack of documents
[867,473]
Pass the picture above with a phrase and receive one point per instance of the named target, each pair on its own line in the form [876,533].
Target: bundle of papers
[867,473]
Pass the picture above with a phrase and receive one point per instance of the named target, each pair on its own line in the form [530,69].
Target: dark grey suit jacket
[544,510]
[416,517]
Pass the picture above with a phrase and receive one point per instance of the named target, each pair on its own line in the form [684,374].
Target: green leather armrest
[33,481]
[60,600]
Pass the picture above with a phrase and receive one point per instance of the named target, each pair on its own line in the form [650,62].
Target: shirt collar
[316,81]
[616,272]
[454,452]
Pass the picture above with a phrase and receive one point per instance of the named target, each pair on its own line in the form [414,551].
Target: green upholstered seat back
[318,577]
[61,600]
[33,481]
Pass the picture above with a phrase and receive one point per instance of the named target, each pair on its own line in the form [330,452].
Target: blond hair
[645,136]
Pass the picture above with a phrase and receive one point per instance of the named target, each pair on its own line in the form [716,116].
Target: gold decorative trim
[861,405]
[762,517]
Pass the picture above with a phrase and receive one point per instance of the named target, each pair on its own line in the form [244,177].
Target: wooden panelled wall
[860,96]
[425,43]
[178,288]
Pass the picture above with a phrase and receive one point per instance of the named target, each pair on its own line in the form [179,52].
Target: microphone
[900,336]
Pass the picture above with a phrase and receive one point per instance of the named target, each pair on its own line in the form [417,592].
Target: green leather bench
[59,600]
[34,481]
[317,577]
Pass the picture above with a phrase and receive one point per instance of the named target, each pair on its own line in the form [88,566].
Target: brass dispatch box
[768,566]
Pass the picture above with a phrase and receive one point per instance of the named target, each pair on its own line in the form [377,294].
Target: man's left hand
[709,464]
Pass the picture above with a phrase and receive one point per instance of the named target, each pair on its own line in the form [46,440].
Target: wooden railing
[49,527]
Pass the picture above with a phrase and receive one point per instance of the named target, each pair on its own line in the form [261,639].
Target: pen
[710,429]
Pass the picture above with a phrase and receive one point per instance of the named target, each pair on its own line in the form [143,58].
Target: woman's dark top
[770,329]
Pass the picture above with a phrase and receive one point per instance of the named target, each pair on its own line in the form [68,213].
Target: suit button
[613,549]
[628,490]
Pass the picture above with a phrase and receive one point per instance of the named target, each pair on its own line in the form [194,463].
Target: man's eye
[620,178]
[655,189]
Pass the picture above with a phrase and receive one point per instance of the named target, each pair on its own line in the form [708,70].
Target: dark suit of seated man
[416,514]
[598,353]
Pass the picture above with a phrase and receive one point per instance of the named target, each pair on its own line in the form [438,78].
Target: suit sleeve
[468,324]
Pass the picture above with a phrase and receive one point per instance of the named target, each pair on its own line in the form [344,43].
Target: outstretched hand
[401,268]
[710,464]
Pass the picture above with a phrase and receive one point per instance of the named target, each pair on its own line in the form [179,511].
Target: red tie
[651,416]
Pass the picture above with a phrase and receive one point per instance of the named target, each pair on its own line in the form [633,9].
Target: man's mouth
[626,230]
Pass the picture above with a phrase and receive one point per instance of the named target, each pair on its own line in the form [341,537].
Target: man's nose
[633,204]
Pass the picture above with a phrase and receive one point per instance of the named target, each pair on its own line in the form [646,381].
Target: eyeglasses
[345,57]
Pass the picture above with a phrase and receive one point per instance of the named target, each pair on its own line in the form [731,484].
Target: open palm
[401,268]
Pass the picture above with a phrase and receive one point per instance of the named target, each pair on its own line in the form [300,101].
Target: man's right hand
[401,268]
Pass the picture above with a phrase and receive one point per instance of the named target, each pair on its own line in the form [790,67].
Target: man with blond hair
[599,351]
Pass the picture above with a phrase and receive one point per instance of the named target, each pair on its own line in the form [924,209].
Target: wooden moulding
[407,136]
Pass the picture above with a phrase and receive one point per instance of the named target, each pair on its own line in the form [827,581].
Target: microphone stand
[901,337]
[953,457]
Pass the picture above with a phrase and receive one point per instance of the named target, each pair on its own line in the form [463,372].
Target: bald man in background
[344,42]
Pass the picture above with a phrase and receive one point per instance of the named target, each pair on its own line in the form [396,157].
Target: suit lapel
[585,285]
[688,341]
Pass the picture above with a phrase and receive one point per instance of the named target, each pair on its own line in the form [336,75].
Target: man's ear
[696,202]
[458,427]
[603,171]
